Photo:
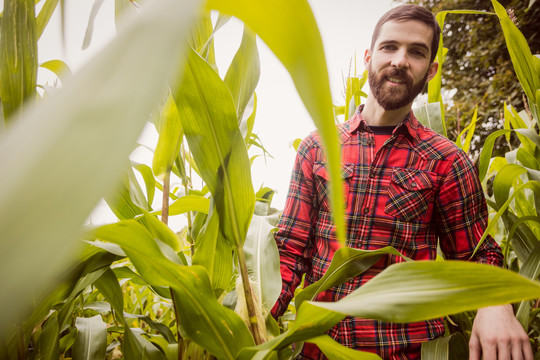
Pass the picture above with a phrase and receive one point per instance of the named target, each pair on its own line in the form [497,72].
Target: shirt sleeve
[293,236]
[462,215]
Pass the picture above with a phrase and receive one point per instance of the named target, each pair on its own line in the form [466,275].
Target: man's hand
[497,335]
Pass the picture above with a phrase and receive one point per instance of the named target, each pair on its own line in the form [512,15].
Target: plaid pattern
[418,188]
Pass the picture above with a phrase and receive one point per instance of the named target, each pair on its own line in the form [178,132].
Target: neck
[375,115]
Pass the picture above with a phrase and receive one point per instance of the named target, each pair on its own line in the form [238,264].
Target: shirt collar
[408,126]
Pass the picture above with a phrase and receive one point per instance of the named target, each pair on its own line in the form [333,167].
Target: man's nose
[400,59]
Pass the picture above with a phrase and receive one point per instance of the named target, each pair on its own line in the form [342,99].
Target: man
[406,187]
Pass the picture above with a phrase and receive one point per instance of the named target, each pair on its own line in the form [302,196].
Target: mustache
[398,73]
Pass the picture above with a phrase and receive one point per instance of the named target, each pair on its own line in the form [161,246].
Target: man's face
[399,63]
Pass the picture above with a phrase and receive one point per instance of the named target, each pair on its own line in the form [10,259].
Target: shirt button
[366,210]
[413,184]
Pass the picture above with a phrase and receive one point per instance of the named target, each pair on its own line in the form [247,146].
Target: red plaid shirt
[417,189]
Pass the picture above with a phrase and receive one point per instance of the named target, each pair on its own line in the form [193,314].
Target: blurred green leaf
[108,286]
[64,141]
[149,181]
[18,55]
[91,341]
[469,130]
[291,32]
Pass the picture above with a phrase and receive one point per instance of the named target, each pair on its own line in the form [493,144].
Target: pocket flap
[413,180]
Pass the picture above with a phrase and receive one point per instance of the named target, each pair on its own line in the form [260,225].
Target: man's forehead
[410,31]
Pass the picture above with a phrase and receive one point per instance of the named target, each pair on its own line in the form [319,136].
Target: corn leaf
[18,55]
[45,15]
[262,259]
[170,138]
[243,73]
[59,68]
[415,291]
[520,53]
[452,347]
[214,253]
[347,263]
[431,115]
[469,130]
[90,27]
[48,339]
[203,319]
[335,351]
[91,341]
[487,149]
[66,143]
[210,125]
[290,31]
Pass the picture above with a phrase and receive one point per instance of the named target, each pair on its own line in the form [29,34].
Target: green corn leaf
[49,339]
[121,202]
[347,263]
[504,182]
[246,126]
[187,203]
[335,351]
[91,341]
[485,154]
[59,68]
[170,137]
[211,128]
[430,115]
[45,15]
[202,38]
[18,55]
[162,232]
[469,130]
[520,53]
[108,286]
[290,31]
[453,347]
[65,140]
[137,347]
[149,181]
[203,319]
[416,291]
[243,73]
[214,253]
[262,259]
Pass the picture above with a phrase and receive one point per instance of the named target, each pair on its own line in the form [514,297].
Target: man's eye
[418,53]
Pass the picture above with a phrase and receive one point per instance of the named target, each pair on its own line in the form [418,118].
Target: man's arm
[462,221]
[295,225]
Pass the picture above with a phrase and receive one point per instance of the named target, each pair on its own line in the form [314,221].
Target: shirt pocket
[410,194]
[322,182]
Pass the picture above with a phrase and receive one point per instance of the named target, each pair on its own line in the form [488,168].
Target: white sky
[345,27]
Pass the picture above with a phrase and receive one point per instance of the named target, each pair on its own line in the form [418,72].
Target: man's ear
[367,57]
[432,70]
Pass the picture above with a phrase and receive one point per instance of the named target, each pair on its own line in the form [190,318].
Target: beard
[394,97]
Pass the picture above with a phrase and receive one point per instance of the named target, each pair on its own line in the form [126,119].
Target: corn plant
[135,287]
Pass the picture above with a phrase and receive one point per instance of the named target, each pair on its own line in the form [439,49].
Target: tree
[478,69]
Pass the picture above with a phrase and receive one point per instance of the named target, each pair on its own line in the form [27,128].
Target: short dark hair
[410,12]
